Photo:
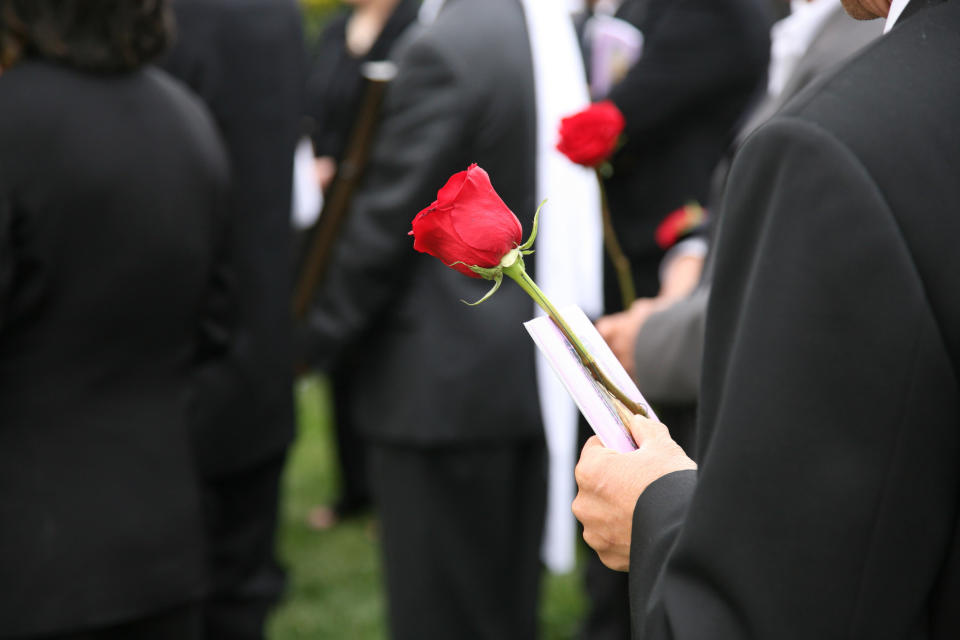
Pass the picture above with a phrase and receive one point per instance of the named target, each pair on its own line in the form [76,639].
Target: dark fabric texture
[703,64]
[608,613]
[246,61]
[669,349]
[435,370]
[240,511]
[437,374]
[827,498]
[354,497]
[182,623]
[462,528]
[335,94]
[335,84]
[110,188]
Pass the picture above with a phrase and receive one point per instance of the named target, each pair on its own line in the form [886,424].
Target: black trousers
[241,523]
[181,623]
[351,447]
[461,530]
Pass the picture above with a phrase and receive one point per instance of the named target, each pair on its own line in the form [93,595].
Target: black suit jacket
[828,498]
[245,59]
[669,349]
[335,87]
[434,370]
[702,65]
[109,186]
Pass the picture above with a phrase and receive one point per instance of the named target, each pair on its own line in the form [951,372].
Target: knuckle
[577,506]
[593,541]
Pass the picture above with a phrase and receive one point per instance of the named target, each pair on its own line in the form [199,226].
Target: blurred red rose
[678,224]
[590,136]
[468,223]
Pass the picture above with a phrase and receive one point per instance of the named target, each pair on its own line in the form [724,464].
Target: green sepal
[497,280]
[533,232]
[483,272]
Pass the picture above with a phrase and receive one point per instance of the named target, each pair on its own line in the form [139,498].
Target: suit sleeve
[669,351]
[692,52]
[416,147]
[825,498]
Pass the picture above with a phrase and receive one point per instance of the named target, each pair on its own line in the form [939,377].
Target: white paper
[594,403]
[615,45]
[307,198]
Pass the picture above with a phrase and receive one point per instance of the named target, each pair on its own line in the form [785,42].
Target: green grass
[334,587]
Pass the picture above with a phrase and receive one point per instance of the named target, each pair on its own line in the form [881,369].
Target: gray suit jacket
[432,369]
[669,348]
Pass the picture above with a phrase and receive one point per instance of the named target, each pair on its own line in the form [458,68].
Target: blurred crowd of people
[157,304]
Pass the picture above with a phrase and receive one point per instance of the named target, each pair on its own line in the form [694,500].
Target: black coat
[109,186]
[245,60]
[434,370]
[335,86]
[703,64]
[828,497]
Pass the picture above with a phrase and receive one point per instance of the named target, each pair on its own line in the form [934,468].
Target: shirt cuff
[695,246]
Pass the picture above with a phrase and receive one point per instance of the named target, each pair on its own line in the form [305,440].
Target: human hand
[680,276]
[325,168]
[610,483]
[620,330]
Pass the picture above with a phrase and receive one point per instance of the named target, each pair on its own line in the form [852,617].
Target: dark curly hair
[94,35]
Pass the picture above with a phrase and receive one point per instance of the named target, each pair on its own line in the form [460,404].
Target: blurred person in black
[702,65]
[826,500]
[245,60]
[112,181]
[661,342]
[701,68]
[365,32]
[458,474]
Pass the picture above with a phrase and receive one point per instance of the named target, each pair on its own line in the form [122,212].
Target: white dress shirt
[791,37]
[896,8]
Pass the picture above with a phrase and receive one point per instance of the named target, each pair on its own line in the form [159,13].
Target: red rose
[468,223]
[678,224]
[590,136]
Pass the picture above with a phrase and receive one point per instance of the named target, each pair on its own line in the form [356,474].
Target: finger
[614,561]
[596,542]
[592,443]
[641,428]
[577,506]
[581,472]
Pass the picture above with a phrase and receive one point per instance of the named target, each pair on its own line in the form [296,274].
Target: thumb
[645,430]
[641,428]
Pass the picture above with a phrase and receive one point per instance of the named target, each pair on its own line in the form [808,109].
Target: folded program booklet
[594,402]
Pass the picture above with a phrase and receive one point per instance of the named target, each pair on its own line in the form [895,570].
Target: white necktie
[569,248]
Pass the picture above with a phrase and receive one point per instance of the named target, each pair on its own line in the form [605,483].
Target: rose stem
[628,292]
[519,274]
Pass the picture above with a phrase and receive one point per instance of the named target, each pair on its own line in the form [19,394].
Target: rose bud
[468,224]
[590,137]
[470,229]
[679,224]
